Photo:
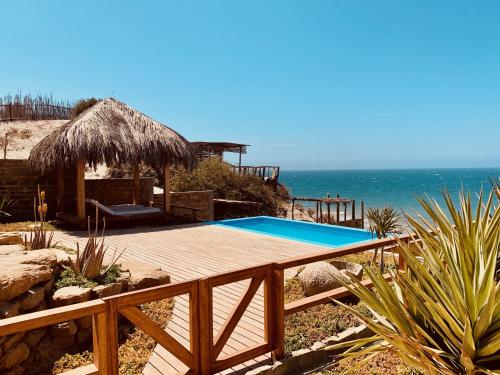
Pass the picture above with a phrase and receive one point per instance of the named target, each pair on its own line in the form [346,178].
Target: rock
[33,337]
[63,341]
[20,270]
[84,323]
[84,336]
[144,275]
[70,295]
[16,371]
[11,238]
[348,268]
[63,329]
[108,290]
[123,279]
[15,356]
[9,309]
[320,277]
[12,340]
[32,298]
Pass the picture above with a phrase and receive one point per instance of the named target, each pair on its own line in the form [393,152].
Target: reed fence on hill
[27,107]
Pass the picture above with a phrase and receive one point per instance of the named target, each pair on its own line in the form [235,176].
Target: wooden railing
[204,353]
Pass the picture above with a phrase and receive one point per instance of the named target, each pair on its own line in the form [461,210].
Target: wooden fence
[33,111]
[204,354]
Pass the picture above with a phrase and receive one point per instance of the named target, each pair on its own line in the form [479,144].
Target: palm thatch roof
[111,132]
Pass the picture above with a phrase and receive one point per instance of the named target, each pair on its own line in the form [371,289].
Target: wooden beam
[279,322]
[60,189]
[166,188]
[136,186]
[235,315]
[145,323]
[111,337]
[80,189]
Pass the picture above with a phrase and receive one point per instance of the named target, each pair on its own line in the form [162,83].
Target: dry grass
[23,226]
[135,346]
[381,364]
[304,328]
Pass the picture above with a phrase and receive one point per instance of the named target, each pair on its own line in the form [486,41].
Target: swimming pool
[313,233]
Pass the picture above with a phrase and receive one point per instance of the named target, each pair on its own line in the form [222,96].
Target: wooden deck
[194,251]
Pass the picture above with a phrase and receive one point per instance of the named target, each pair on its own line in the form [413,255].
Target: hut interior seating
[125,210]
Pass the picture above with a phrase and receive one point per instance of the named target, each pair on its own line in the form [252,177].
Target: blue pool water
[318,234]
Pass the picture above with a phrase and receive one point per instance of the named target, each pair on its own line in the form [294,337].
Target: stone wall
[112,191]
[27,280]
[203,200]
[19,182]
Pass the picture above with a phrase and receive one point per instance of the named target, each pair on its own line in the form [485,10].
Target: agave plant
[89,262]
[6,203]
[443,313]
[383,222]
[40,238]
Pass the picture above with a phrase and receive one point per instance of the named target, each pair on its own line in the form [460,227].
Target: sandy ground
[23,135]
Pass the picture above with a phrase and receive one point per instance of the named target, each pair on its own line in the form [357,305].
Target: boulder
[70,295]
[33,337]
[144,275]
[320,277]
[32,298]
[83,336]
[64,329]
[84,323]
[15,356]
[11,238]
[108,290]
[348,268]
[20,270]
[9,309]
[12,340]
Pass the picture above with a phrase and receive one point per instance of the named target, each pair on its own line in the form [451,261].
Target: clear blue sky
[309,84]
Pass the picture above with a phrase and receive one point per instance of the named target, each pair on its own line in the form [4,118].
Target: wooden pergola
[111,133]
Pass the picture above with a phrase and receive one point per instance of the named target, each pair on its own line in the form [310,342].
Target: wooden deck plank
[189,252]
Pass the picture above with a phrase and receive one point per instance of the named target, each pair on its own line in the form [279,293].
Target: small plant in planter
[88,268]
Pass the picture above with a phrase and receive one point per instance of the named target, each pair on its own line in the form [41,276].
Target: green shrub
[69,278]
[214,174]
[81,106]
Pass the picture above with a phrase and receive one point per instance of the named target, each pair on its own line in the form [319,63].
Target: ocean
[394,187]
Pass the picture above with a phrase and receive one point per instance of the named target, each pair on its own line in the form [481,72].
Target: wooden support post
[338,210]
[206,326]
[345,211]
[194,328]
[136,185]
[80,189]
[328,212]
[269,307]
[239,161]
[353,214]
[60,188]
[111,337]
[317,211]
[320,211]
[362,214]
[279,306]
[166,188]
[293,208]
[99,343]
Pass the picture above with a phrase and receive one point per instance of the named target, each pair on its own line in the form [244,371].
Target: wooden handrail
[45,318]
[204,354]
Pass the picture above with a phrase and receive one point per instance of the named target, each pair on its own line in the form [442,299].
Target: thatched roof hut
[111,132]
